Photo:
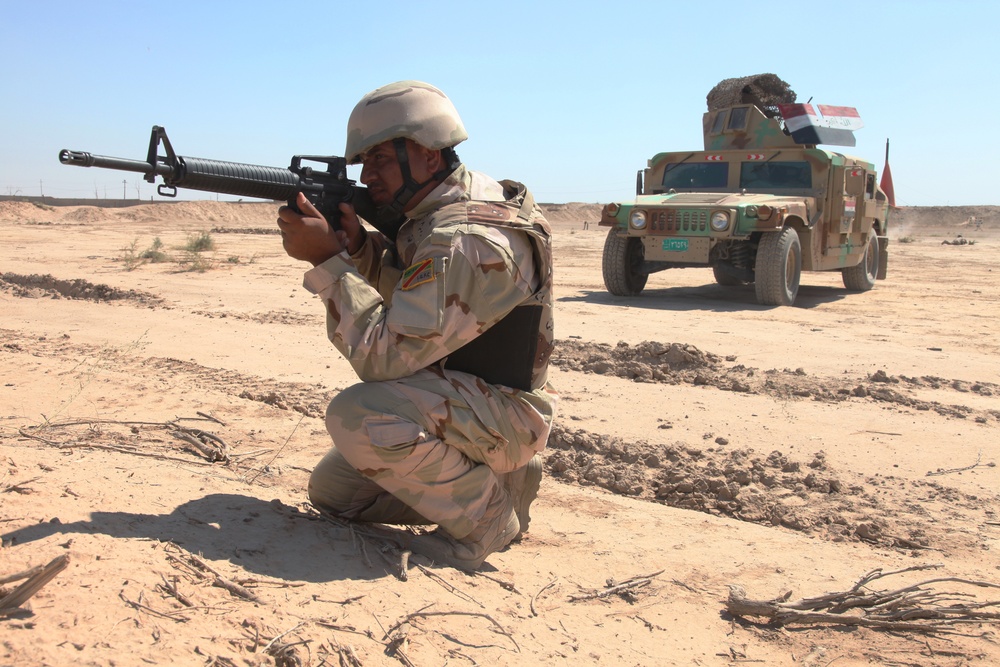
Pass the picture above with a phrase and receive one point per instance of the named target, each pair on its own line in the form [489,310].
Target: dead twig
[211,418]
[21,487]
[122,450]
[917,607]
[979,457]
[613,588]
[426,614]
[267,647]
[201,442]
[345,654]
[170,588]
[139,606]
[277,453]
[449,587]
[506,585]
[207,444]
[223,582]
[35,582]
[542,590]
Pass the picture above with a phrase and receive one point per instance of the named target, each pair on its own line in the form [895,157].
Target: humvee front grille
[679,220]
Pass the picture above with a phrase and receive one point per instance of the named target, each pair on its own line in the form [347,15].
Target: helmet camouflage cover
[406,109]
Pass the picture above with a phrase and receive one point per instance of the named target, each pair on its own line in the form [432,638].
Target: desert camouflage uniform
[416,442]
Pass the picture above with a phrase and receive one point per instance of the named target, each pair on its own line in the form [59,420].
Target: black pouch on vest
[504,353]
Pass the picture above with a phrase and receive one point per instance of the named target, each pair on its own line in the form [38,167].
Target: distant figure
[586,225]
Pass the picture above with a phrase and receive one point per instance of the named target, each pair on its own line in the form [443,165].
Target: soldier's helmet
[406,109]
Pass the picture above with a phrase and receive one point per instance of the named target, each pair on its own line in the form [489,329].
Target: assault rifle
[324,189]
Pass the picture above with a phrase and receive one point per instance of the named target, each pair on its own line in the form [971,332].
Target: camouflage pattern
[433,438]
[405,109]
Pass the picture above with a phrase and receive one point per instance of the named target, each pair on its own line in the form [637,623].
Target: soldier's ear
[435,160]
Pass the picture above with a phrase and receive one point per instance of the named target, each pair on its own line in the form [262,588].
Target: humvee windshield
[700,176]
[766,175]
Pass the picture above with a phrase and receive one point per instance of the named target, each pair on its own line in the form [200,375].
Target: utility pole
[124,185]
[40,190]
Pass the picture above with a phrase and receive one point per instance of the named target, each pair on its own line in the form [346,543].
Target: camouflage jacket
[469,253]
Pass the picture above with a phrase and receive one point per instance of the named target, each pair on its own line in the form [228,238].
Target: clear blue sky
[570,98]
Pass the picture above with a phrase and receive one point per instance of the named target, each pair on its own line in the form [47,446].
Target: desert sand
[159,421]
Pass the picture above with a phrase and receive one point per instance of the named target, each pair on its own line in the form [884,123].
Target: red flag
[886,185]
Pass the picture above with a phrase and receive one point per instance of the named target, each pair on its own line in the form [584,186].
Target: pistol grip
[330,213]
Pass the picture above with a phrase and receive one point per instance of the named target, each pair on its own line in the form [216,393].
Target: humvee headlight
[720,221]
[612,210]
[750,211]
[637,219]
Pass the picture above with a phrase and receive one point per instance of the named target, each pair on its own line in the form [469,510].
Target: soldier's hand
[307,236]
[351,225]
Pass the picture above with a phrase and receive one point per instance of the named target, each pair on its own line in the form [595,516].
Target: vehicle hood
[716,199]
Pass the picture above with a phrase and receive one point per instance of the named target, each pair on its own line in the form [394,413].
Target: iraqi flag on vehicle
[822,124]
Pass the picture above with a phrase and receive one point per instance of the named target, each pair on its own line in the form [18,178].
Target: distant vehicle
[760,204]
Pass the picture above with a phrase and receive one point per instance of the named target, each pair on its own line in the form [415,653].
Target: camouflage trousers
[426,448]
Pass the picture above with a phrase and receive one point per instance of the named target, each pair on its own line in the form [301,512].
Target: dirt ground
[161,409]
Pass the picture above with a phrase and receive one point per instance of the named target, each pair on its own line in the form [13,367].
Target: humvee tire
[861,278]
[778,268]
[623,255]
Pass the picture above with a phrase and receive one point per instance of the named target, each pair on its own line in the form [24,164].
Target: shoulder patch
[489,212]
[418,274]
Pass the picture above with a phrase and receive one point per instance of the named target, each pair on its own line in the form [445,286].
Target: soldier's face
[382,175]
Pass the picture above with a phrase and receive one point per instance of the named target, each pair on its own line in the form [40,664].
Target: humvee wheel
[623,255]
[861,278]
[778,268]
[725,279]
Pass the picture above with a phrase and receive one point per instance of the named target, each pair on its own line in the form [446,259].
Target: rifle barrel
[82,159]
[232,178]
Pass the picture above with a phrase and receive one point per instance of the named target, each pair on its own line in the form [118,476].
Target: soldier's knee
[350,413]
[343,411]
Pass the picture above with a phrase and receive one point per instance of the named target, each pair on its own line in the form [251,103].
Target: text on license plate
[675,245]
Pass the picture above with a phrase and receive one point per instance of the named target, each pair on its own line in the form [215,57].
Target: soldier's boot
[522,485]
[496,530]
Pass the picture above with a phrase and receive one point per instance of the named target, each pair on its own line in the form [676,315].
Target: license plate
[675,245]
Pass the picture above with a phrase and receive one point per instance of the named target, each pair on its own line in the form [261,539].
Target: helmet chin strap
[410,186]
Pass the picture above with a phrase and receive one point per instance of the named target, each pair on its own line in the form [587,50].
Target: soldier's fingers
[307,207]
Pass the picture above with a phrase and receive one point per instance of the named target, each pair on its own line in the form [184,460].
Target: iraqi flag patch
[418,274]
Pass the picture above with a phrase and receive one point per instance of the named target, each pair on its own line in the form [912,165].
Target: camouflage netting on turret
[765,91]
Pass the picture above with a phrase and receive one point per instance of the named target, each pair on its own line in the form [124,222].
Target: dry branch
[448,586]
[542,590]
[917,607]
[140,606]
[979,457]
[36,581]
[613,588]
[427,614]
[170,588]
[222,582]
[207,444]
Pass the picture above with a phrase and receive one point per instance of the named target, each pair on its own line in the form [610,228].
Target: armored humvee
[760,204]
